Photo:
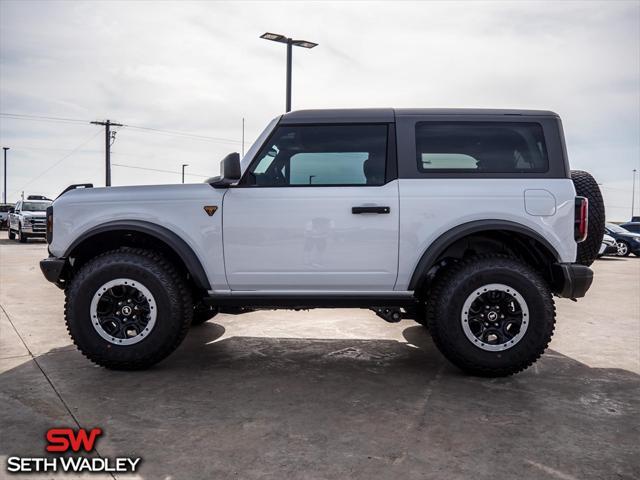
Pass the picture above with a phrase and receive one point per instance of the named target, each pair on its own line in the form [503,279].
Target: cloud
[200,67]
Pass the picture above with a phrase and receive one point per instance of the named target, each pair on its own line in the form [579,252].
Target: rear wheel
[128,309]
[491,315]
[586,186]
[623,248]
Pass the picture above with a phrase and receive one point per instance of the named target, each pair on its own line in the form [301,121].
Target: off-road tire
[160,277]
[586,186]
[202,313]
[444,312]
[12,235]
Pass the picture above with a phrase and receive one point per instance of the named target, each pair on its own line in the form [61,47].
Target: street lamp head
[304,44]
[6,148]
[275,37]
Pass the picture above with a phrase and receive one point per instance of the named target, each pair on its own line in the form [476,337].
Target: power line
[57,162]
[184,134]
[159,170]
[19,116]
[174,133]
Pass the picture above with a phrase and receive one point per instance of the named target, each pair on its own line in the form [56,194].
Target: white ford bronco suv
[468,221]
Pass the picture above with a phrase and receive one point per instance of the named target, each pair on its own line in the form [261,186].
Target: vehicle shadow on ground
[263,407]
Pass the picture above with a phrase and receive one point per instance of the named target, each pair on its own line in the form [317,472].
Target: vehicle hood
[132,195]
[34,214]
[629,235]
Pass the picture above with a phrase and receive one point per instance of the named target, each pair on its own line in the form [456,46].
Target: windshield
[5,208]
[244,163]
[616,228]
[35,206]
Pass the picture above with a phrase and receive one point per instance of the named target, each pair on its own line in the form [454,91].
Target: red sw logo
[63,439]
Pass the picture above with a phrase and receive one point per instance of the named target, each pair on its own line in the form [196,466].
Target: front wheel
[491,315]
[623,249]
[128,309]
[21,236]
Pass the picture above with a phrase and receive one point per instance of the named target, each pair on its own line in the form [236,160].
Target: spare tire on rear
[586,186]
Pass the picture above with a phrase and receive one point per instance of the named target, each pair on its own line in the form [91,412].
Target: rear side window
[319,155]
[482,147]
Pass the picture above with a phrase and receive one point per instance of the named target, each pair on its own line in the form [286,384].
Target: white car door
[315,211]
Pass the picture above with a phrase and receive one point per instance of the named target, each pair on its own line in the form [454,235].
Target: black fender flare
[438,247]
[179,246]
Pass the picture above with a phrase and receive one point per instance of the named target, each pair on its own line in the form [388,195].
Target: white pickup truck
[28,219]
[468,221]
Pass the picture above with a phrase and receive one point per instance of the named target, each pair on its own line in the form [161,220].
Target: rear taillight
[49,224]
[581,219]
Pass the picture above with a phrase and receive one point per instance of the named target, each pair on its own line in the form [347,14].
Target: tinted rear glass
[483,147]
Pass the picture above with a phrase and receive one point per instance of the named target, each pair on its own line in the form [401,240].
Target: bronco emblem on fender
[210,209]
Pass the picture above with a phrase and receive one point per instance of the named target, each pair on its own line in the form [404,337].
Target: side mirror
[229,170]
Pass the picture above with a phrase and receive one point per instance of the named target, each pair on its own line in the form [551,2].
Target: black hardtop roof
[348,115]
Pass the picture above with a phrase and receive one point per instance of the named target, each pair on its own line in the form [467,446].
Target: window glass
[322,155]
[35,206]
[484,147]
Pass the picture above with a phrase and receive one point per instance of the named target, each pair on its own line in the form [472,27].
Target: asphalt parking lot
[330,394]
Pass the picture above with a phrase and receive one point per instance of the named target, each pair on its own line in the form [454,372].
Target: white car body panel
[179,208]
[307,238]
[430,207]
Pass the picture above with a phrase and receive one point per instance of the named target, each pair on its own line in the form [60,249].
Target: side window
[322,155]
[484,147]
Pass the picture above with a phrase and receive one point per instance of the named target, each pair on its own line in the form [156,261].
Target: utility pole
[242,137]
[108,137]
[184,165]
[4,192]
[633,194]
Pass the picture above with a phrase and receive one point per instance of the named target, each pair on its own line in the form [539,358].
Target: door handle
[359,210]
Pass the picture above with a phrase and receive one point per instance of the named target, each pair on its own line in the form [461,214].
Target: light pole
[4,192]
[184,165]
[276,37]
[633,194]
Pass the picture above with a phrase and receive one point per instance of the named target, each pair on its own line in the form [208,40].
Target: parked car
[466,219]
[633,227]
[628,242]
[28,220]
[5,209]
[608,247]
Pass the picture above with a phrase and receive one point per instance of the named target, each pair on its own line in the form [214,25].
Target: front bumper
[34,230]
[52,269]
[571,280]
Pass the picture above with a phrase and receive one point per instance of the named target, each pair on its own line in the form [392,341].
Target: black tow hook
[388,314]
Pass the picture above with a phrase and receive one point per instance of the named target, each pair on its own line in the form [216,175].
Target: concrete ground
[330,394]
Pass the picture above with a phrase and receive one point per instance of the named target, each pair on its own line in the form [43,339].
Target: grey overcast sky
[199,68]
